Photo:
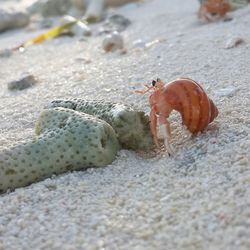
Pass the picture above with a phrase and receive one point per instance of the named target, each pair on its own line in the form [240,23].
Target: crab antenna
[144,91]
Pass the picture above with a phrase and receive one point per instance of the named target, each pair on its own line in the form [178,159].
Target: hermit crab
[186,97]
[212,10]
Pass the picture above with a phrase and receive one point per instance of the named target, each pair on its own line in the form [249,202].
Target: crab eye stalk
[158,79]
[153,83]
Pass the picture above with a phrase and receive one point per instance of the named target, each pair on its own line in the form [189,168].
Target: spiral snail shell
[191,101]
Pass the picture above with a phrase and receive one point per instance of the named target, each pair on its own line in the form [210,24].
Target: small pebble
[113,42]
[23,83]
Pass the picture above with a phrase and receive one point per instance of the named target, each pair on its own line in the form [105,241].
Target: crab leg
[164,126]
[153,126]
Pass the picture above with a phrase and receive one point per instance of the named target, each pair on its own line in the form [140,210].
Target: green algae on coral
[131,126]
[67,140]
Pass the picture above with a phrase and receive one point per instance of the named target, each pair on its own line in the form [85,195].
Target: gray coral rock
[131,126]
[10,19]
[49,8]
[66,140]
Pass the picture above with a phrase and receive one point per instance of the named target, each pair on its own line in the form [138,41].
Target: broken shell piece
[23,83]
[234,42]
[78,29]
[112,42]
[94,12]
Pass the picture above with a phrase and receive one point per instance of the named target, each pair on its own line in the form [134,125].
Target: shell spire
[189,98]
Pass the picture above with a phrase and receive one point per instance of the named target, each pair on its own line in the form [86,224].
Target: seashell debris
[113,42]
[79,29]
[234,42]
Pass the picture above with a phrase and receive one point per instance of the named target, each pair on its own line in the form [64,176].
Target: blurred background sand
[198,199]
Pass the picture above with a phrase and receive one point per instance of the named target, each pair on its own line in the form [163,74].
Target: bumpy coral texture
[132,127]
[67,140]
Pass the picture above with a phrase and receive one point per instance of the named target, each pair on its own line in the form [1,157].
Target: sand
[197,199]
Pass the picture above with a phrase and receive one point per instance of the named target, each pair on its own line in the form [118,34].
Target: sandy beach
[197,199]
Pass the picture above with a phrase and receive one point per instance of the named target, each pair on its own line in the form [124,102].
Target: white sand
[199,199]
